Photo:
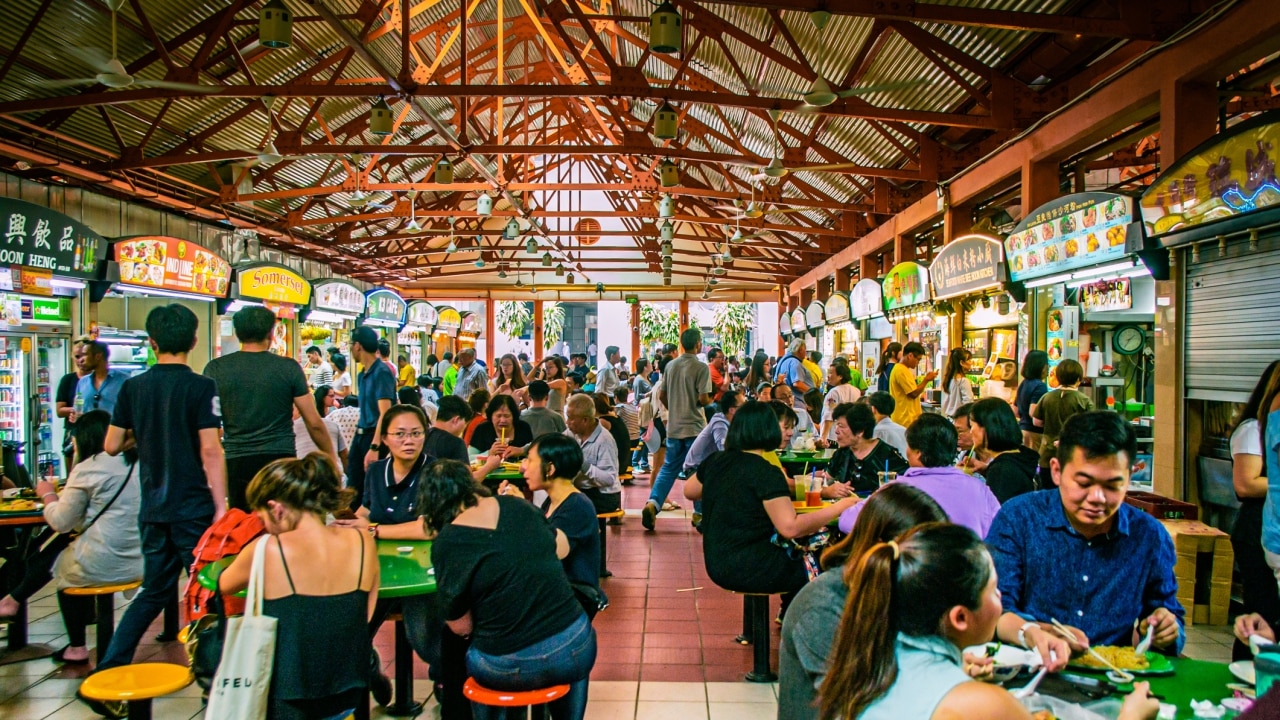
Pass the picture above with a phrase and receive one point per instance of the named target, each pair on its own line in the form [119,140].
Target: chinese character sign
[39,238]
[966,265]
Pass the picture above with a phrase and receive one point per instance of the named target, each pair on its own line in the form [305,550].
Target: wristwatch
[373,530]
[375,447]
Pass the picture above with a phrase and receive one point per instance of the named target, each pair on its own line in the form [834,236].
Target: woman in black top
[320,585]
[888,359]
[745,502]
[502,426]
[1035,368]
[859,457]
[1012,469]
[500,581]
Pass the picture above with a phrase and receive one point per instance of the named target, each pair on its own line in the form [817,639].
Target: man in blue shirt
[1078,554]
[791,372]
[377,391]
[100,385]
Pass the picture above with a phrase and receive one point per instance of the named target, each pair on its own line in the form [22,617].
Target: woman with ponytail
[316,576]
[913,604]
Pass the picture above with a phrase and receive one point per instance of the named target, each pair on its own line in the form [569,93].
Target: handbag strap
[112,501]
[256,589]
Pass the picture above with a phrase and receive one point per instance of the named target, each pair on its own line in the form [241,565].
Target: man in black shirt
[259,391]
[65,406]
[444,439]
[173,415]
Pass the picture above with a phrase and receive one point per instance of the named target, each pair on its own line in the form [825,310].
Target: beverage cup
[887,477]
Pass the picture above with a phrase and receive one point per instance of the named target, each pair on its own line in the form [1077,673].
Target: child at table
[321,583]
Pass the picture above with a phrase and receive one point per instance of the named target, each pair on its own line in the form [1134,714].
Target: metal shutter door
[1232,318]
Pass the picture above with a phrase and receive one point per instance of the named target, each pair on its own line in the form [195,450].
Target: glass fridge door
[52,362]
[13,405]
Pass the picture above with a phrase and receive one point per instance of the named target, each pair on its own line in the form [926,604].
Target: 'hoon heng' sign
[37,237]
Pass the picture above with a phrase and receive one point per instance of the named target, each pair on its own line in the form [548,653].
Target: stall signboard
[448,321]
[1069,233]
[784,324]
[836,308]
[814,315]
[1231,174]
[17,309]
[470,324]
[338,296]
[799,322]
[906,284]
[1106,295]
[422,315]
[39,238]
[966,265]
[167,263]
[866,299]
[384,308]
[274,283]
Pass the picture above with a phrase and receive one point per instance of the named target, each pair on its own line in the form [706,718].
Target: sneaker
[379,684]
[649,514]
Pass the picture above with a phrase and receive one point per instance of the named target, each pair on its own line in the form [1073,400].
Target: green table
[504,475]
[1192,680]
[822,457]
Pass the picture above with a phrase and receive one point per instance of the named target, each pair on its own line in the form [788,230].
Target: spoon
[1145,645]
[1030,688]
[1116,675]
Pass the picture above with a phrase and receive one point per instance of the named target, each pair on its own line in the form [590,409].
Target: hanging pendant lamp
[531,246]
[665,32]
[444,171]
[546,259]
[275,25]
[668,174]
[380,119]
[664,122]
[484,205]
[666,207]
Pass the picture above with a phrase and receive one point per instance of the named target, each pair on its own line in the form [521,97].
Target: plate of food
[1008,660]
[15,505]
[1150,663]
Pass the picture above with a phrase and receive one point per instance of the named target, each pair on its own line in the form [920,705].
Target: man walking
[719,382]
[607,378]
[685,389]
[100,386]
[173,415]
[321,370]
[471,376]
[377,385]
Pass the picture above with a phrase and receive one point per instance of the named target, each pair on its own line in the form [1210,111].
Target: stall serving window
[276,287]
[968,277]
[908,302]
[443,337]
[384,311]
[420,321]
[335,305]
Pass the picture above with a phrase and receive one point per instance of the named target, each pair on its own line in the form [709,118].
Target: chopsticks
[1070,637]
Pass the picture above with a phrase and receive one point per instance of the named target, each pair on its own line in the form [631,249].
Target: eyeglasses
[401,436]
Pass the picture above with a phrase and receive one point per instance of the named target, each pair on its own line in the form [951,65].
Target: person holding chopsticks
[503,431]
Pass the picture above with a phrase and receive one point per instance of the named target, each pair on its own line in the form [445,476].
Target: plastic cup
[802,485]
[813,497]
[887,477]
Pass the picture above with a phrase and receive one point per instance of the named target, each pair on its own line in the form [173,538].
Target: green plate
[1159,665]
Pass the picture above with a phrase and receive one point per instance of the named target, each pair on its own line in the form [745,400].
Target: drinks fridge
[31,433]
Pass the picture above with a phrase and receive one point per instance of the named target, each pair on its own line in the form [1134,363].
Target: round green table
[402,574]
[819,458]
[1191,680]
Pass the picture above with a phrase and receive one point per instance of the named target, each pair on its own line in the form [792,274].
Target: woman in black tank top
[319,584]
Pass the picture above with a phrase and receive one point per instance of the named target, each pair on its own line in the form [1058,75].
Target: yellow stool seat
[104,589]
[613,514]
[143,681]
[184,633]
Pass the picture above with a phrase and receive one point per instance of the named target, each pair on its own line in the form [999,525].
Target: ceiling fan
[820,94]
[754,209]
[111,72]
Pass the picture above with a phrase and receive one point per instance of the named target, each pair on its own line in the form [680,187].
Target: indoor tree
[513,317]
[658,325]
[732,322]
[552,324]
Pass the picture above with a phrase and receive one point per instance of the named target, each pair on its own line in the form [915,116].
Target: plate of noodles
[1150,663]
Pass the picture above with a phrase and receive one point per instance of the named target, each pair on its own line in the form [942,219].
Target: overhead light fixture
[512,230]
[667,207]
[453,245]
[480,262]
[560,270]
[668,173]
[986,302]
[502,273]
[666,280]
[569,279]
[531,246]
[667,231]
[68,284]
[1138,270]
[664,122]
[665,32]
[666,263]
[444,171]
[484,205]
[380,119]
[546,259]
[713,281]
[275,25]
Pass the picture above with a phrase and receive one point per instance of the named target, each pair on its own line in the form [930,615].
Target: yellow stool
[136,685]
[106,607]
[604,518]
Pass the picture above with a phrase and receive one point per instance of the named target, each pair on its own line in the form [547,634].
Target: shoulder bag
[243,681]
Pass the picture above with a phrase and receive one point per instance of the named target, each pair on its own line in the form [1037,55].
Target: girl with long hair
[553,375]
[1249,476]
[913,603]
[508,378]
[956,388]
[1035,368]
[758,373]
[888,359]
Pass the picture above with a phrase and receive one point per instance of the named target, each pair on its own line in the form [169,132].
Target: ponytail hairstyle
[887,357]
[955,366]
[908,586]
[309,484]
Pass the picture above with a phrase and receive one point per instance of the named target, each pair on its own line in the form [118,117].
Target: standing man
[719,382]
[377,386]
[321,370]
[443,366]
[173,415]
[100,387]
[904,387]
[259,391]
[471,376]
[449,378]
[813,363]
[65,405]
[607,378]
[541,419]
[792,373]
[407,377]
[525,365]
[599,477]
[384,354]
[882,407]
[685,388]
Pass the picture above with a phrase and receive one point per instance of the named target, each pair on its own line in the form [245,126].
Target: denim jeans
[166,550]
[677,450]
[563,658]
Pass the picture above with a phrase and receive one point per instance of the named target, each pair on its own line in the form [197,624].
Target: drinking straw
[886,471]
[813,474]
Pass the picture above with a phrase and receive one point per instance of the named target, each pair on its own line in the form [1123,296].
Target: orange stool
[533,700]
[106,606]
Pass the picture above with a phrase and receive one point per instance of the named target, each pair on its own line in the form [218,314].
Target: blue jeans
[677,450]
[166,549]
[563,658]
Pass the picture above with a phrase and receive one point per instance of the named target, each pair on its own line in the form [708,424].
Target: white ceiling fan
[820,93]
[111,72]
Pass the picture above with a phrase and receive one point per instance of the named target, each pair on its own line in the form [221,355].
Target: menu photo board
[906,284]
[422,316]
[1069,233]
[814,316]
[17,309]
[799,322]
[384,308]
[836,308]
[866,299]
[274,283]
[966,265]
[1106,295]
[39,238]
[337,296]
[448,321]
[167,263]
[1229,175]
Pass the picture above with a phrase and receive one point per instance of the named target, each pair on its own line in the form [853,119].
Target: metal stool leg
[404,704]
[604,549]
[139,709]
[106,621]
[745,637]
[760,671]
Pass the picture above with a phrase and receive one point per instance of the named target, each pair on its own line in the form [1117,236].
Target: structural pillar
[840,283]
[684,315]
[490,332]
[1039,184]
[957,221]
[904,249]
[538,350]
[635,333]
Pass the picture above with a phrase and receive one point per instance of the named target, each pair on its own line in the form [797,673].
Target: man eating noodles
[1079,555]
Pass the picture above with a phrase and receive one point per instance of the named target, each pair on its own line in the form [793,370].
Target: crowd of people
[944,517]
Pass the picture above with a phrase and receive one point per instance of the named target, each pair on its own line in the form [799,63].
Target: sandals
[60,656]
[669,506]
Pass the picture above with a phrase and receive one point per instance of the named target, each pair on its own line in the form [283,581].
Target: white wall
[765,333]
[613,327]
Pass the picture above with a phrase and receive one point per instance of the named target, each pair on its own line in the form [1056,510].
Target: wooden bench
[136,685]
[106,607]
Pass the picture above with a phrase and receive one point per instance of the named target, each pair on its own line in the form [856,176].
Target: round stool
[106,607]
[534,700]
[604,519]
[136,685]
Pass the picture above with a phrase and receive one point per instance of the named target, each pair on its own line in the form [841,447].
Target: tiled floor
[667,649]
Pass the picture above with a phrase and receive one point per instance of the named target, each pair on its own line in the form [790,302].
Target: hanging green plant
[658,325]
[732,322]
[513,317]
[552,324]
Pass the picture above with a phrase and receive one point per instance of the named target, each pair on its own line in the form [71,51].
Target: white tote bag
[243,681]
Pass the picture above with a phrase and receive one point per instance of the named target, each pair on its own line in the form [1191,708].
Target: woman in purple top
[931,448]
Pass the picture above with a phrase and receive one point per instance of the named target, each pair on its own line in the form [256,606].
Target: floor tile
[673,691]
[28,708]
[742,711]
[626,690]
[646,710]
[610,709]
[737,692]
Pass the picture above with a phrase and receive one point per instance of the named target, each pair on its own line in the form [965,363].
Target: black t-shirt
[863,474]
[166,407]
[67,394]
[389,501]
[1012,474]
[485,435]
[509,578]
[445,446]
[737,531]
[621,438]
[257,391]
[576,517]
